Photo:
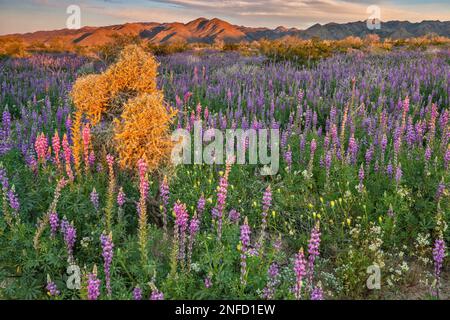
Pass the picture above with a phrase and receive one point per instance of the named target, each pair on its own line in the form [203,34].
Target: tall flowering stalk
[67,157]
[201,206]
[300,273]
[54,223]
[94,199]
[120,203]
[56,145]
[4,181]
[438,257]
[194,227]
[266,203]
[181,225]
[361,178]
[313,250]
[164,191]
[41,148]
[43,221]
[221,200]
[110,196]
[108,253]
[313,149]
[142,210]
[86,136]
[244,247]
[76,140]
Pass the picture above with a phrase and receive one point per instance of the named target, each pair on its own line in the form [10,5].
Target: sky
[34,15]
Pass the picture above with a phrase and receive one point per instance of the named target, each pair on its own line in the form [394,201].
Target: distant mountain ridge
[211,30]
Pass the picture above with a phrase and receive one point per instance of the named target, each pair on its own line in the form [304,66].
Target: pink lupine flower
[164,191]
[245,244]
[221,203]
[143,182]
[181,223]
[313,250]
[56,145]
[121,198]
[300,272]
[41,147]
[67,157]
[86,136]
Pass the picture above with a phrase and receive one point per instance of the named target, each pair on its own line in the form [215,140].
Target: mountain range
[211,30]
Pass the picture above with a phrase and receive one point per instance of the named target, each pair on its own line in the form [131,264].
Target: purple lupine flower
[398,173]
[52,288]
[245,243]
[3,178]
[361,178]
[288,158]
[181,224]
[157,295]
[108,253]
[389,170]
[164,190]
[121,198]
[440,191]
[194,227]
[266,203]
[201,206]
[438,257]
[94,199]
[313,250]
[317,294]
[70,235]
[447,158]
[272,282]
[352,149]
[208,282]
[93,286]
[234,216]
[137,293]
[428,153]
[300,272]
[91,159]
[13,199]
[54,223]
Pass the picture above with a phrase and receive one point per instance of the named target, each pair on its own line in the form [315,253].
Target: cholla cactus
[126,93]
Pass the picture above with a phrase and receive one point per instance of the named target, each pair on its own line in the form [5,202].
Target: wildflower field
[93,208]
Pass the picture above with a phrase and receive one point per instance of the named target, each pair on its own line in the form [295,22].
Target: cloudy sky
[32,15]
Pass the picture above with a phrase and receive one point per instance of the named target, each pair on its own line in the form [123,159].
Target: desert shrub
[127,86]
[142,131]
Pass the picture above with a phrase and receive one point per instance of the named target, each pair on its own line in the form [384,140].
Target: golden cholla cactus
[142,132]
[91,94]
[126,93]
[134,71]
